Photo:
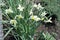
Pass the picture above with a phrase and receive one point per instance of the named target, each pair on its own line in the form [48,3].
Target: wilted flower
[9,10]
[20,7]
[49,20]
[38,6]
[19,16]
[43,13]
[34,17]
[13,21]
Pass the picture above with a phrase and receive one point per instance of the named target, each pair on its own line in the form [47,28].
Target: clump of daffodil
[7,11]
[38,6]
[13,22]
[43,13]
[34,17]
[20,7]
[49,20]
[19,16]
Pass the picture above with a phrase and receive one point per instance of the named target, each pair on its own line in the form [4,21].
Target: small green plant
[23,18]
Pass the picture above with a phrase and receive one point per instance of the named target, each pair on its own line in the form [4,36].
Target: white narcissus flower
[2,4]
[19,16]
[38,6]
[9,11]
[49,20]
[13,21]
[20,7]
[34,17]
[43,13]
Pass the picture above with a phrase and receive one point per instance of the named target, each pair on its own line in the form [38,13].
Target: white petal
[13,21]
[37,19]
[34,17]
[35,5]
[49,20]
[9,10]
[39,6]
[43,13]
[20,8]
[31,13]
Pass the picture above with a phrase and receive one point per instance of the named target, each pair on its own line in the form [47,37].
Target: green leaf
[49,37]
[8,32]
